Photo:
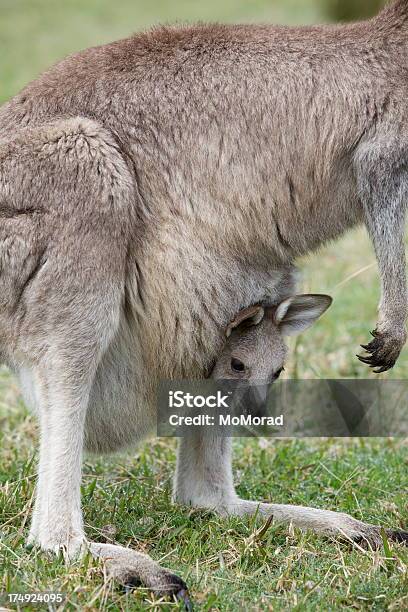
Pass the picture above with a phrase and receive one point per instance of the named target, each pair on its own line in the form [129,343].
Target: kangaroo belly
[115,420]
[120,411]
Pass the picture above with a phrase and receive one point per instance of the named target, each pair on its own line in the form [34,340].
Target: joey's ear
[251,315]
[299,312]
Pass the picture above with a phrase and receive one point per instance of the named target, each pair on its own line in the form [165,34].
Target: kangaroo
[152,188]
[254,352]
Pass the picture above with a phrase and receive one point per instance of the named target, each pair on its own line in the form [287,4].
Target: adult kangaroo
[152,188]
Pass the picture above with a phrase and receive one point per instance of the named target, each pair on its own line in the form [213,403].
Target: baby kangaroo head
[255,349]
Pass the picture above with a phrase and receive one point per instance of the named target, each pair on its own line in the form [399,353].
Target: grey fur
[153,187]
[204,473]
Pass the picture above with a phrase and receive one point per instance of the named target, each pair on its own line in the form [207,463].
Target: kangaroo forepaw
[383,350]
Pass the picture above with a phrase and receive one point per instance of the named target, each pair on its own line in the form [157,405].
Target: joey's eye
[278,373]
[237,365]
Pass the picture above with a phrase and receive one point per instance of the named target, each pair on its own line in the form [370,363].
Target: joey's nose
[256,396]
[261,391]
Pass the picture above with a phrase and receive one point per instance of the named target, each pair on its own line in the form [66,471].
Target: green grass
[225,566]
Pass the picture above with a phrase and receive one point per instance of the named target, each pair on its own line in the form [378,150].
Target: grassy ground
[226,567]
